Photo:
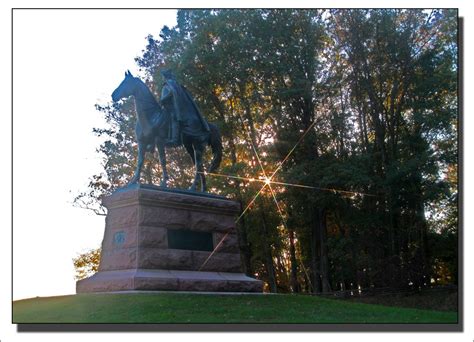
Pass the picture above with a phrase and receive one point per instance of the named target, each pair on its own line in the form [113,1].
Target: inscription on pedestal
[190,240]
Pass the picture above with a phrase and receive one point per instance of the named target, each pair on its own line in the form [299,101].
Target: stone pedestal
[160,239]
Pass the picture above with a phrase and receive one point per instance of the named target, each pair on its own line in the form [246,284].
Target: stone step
[168,280]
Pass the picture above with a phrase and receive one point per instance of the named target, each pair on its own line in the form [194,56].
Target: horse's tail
[215,142]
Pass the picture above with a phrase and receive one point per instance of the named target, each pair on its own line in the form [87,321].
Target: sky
[64,63]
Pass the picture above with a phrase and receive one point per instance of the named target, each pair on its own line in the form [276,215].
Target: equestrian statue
[173,121]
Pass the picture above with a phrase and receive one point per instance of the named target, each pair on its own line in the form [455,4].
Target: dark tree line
[369,99]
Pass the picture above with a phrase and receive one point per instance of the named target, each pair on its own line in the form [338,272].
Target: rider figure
[169,100]
[179,103]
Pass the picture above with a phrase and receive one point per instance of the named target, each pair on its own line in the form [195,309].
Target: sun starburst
[267,182]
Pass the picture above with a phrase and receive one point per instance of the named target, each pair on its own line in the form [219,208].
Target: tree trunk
[295,287]
[268,256]
[326,287]
[315,252]
[422,233]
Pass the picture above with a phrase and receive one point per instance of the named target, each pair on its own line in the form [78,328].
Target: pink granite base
[136,253]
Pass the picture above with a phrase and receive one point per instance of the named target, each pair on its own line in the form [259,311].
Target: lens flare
[267,182]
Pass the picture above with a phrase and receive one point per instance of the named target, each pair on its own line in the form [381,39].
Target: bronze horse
[153,130]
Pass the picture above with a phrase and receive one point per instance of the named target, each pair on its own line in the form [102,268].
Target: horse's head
[126,88]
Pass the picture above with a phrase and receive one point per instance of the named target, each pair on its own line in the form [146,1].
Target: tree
[357,106]
[86,264]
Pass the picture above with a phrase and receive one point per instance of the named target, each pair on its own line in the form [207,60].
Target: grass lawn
[205,308]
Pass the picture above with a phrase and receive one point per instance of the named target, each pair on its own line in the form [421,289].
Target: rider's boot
[175,134]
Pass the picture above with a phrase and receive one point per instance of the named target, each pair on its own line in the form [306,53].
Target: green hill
[205,308]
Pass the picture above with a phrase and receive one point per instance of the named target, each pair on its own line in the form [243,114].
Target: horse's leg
[199,175]
[162,157]
[201,168]
[190,149]
[141,158]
